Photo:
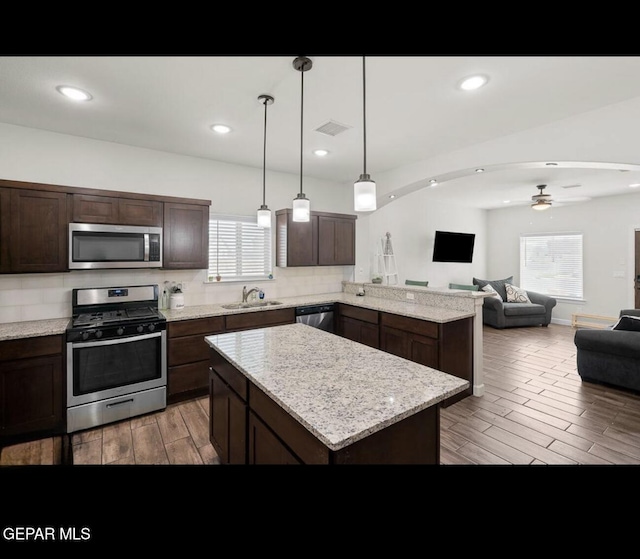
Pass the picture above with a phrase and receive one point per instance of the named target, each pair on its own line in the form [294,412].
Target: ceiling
[414,110]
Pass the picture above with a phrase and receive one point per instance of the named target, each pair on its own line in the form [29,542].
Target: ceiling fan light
[364,194]
[541,205]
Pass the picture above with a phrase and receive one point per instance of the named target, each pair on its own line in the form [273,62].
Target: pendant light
[264,213]
[364,189]
[301,204]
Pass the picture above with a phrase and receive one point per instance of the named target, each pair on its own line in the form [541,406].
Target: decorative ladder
[387,261]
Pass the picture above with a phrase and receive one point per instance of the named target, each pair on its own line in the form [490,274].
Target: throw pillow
[498,285]
[628,322]
[489,289]
[516,294]
[461,286]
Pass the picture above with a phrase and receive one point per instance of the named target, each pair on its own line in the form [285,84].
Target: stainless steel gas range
[116,355]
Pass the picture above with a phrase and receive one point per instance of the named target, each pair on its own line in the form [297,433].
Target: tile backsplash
[43,296]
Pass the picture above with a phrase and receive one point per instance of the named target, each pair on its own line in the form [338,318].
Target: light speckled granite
[453,299]
[33,328]
[339,390]
[434,314]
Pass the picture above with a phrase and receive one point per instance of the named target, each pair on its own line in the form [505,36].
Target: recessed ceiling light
[392,196]
[634,185]
[73,93]
[320,152]
[221,128]
[473,82]
[506,201]
[551,164]
[480,170]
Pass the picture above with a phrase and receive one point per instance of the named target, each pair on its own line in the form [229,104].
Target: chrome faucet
[245,293]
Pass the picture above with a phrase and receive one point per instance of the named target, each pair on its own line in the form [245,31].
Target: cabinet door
[336,241]
[265,447]
[95,209]
[358,331]
[423,350]
[296,241]
[186,236]
[31,395]
[227,422]
[260,319]
[394,341]
[39,231]
[146,213]
[5,229]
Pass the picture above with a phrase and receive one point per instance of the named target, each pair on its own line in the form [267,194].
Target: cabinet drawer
[30,347]
[206,326]
[227,372]
[414,325]
[260,319]
[366,315]
[188,349]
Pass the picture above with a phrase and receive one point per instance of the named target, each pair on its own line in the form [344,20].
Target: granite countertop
[33,328]
[340,390]
[415,310]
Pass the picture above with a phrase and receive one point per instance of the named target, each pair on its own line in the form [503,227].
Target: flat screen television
[453,247]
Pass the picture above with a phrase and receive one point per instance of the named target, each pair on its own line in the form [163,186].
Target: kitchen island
[295,394]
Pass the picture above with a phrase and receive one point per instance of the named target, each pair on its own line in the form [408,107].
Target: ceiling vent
[332,128]
[571,186]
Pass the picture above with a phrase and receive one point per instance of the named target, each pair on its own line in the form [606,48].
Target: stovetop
[102,318]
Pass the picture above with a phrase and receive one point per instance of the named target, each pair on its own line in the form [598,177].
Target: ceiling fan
[541,201]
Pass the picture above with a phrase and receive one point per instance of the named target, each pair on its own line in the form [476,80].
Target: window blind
[552,264]
[238,248]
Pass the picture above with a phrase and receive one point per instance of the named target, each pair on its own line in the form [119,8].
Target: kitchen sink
[232,306]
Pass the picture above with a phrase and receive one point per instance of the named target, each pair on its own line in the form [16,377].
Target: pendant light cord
[301,118]
[264,156]
[364,115]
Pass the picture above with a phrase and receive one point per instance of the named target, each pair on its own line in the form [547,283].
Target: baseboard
[562,321]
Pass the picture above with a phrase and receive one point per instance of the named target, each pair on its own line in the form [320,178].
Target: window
[552,264]
[238,248]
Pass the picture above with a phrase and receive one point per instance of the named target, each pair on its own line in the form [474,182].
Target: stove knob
[140,328]
[120,331]
[152,327]
[98,333]
[85,335]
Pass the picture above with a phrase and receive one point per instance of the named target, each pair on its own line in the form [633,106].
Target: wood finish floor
[535,410]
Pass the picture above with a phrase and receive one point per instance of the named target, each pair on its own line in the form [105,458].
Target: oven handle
[146,247]
[117,340]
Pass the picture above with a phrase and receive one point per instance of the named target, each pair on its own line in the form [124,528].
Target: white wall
[412,221]
[32,155]
[607,225]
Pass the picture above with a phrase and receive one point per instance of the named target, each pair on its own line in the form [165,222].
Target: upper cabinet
[34,224]
[33,231]
[327,239]
[186,236]
[116,210]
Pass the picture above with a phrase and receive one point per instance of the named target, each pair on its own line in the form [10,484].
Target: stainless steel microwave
[95,245]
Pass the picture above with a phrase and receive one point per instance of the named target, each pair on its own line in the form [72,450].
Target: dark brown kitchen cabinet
[336,240]
[186,236]
[33,231]
[259,319]
[116,210]
[188,357]
[446,346]
[31,388]
[228,411]
[327,239]
[358,324]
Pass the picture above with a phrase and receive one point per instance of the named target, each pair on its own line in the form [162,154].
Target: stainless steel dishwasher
[318,316]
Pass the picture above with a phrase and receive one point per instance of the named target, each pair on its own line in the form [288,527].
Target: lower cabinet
[446,346]
[31,388]
[359,325]
[188,357]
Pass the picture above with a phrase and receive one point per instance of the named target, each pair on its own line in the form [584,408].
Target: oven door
[103,369]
